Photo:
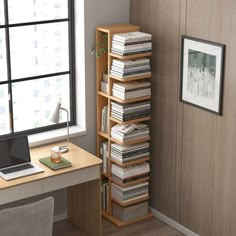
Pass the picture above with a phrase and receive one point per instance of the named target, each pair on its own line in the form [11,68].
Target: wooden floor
[150,227]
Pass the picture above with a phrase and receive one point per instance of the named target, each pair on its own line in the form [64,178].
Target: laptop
[15,159]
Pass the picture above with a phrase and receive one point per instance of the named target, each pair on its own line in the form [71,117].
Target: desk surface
[79,158]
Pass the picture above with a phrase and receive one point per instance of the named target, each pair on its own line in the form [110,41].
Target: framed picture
[202,69]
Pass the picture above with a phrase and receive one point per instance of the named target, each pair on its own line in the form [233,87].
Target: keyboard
[16,168]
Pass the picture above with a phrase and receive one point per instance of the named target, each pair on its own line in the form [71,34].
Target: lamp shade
[55,115]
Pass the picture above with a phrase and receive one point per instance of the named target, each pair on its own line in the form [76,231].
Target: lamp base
[63,149]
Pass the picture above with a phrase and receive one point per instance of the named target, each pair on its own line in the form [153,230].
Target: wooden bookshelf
[103,64]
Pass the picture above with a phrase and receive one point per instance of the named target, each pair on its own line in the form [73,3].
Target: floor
[150,227]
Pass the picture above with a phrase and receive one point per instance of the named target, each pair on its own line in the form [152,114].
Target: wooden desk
[82,181]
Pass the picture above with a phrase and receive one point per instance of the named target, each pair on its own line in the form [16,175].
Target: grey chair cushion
[34,219]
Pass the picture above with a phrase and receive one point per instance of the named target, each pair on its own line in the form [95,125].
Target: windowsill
[54,136]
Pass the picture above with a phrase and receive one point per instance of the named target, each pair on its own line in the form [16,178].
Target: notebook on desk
[15,159]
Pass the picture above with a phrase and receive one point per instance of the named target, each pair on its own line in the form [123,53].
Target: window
[36,64]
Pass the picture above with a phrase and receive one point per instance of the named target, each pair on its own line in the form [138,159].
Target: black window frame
[71,72]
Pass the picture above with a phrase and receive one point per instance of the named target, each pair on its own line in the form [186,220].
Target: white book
[132,36]
[130,47]
[124,148]
[130,95]
[124,128]
[131,69]
[104,87]
[123,63]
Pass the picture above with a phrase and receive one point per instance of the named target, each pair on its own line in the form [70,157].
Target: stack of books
[131,43]
[130,173]
[125,153]
[104,120]
[129,68]
[140,131]
[130,111]
[133,89]
[131,212]
[104,83]
[105,195]
[128,194]
[104,155]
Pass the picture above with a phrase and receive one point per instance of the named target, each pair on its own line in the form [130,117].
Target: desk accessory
[55,166]
[55,119]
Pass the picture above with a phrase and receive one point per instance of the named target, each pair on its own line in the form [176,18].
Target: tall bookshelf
[103,65]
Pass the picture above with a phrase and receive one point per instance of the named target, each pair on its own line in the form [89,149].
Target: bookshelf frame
[103,65]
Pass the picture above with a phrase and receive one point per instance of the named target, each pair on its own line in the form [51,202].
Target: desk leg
[84,206]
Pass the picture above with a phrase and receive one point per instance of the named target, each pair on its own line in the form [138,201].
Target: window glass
[33,101]
[36,10]
[39,49]
[4,110]
[2,21]
[3,62]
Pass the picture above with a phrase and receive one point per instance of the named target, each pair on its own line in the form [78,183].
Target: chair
[34,219]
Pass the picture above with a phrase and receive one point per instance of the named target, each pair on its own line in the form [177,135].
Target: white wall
[96,13]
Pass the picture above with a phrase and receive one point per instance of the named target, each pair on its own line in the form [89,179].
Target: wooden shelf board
[146,54]
[118,28]
[131,162]
[130,142]
[132,182]
[105,135]
[102,94]
[148,75]
[120,223]
[130,100]
[131,202]
[131,121]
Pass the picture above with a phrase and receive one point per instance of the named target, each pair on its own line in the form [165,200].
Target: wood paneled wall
[193,151]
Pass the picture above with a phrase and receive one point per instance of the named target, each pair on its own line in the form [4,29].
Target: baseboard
[172,223]
[60,217]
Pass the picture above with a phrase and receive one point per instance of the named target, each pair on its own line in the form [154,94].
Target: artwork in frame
[202,69]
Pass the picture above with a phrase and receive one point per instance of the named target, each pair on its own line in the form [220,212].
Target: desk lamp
[55,119]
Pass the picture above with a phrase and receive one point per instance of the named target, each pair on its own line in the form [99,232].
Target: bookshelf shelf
[120,223]
[131,202]
[131,162]
[131,182]
[103,94]
[108,105]
[146,54]
[140,140]
[130,100]
[146,118]
[105,135]
[148,75]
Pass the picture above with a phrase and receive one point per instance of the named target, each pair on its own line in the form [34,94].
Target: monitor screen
[14,151]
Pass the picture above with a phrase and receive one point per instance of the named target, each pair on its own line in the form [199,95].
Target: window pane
[35,100]
[3,62]
[39,49]
[2,20]
[4,110]
[36,10]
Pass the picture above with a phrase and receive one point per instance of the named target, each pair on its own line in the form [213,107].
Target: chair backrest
[34,219]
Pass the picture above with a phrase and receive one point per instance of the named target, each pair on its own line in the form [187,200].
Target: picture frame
[202,70]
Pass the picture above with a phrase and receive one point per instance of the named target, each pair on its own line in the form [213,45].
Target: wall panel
[193,151]
[161,18]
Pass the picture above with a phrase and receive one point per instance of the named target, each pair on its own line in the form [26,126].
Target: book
[131,85]
[55,166]
[104,122]
[130,62]
[115,74]
[130,52]
[130,47]
[132,37]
